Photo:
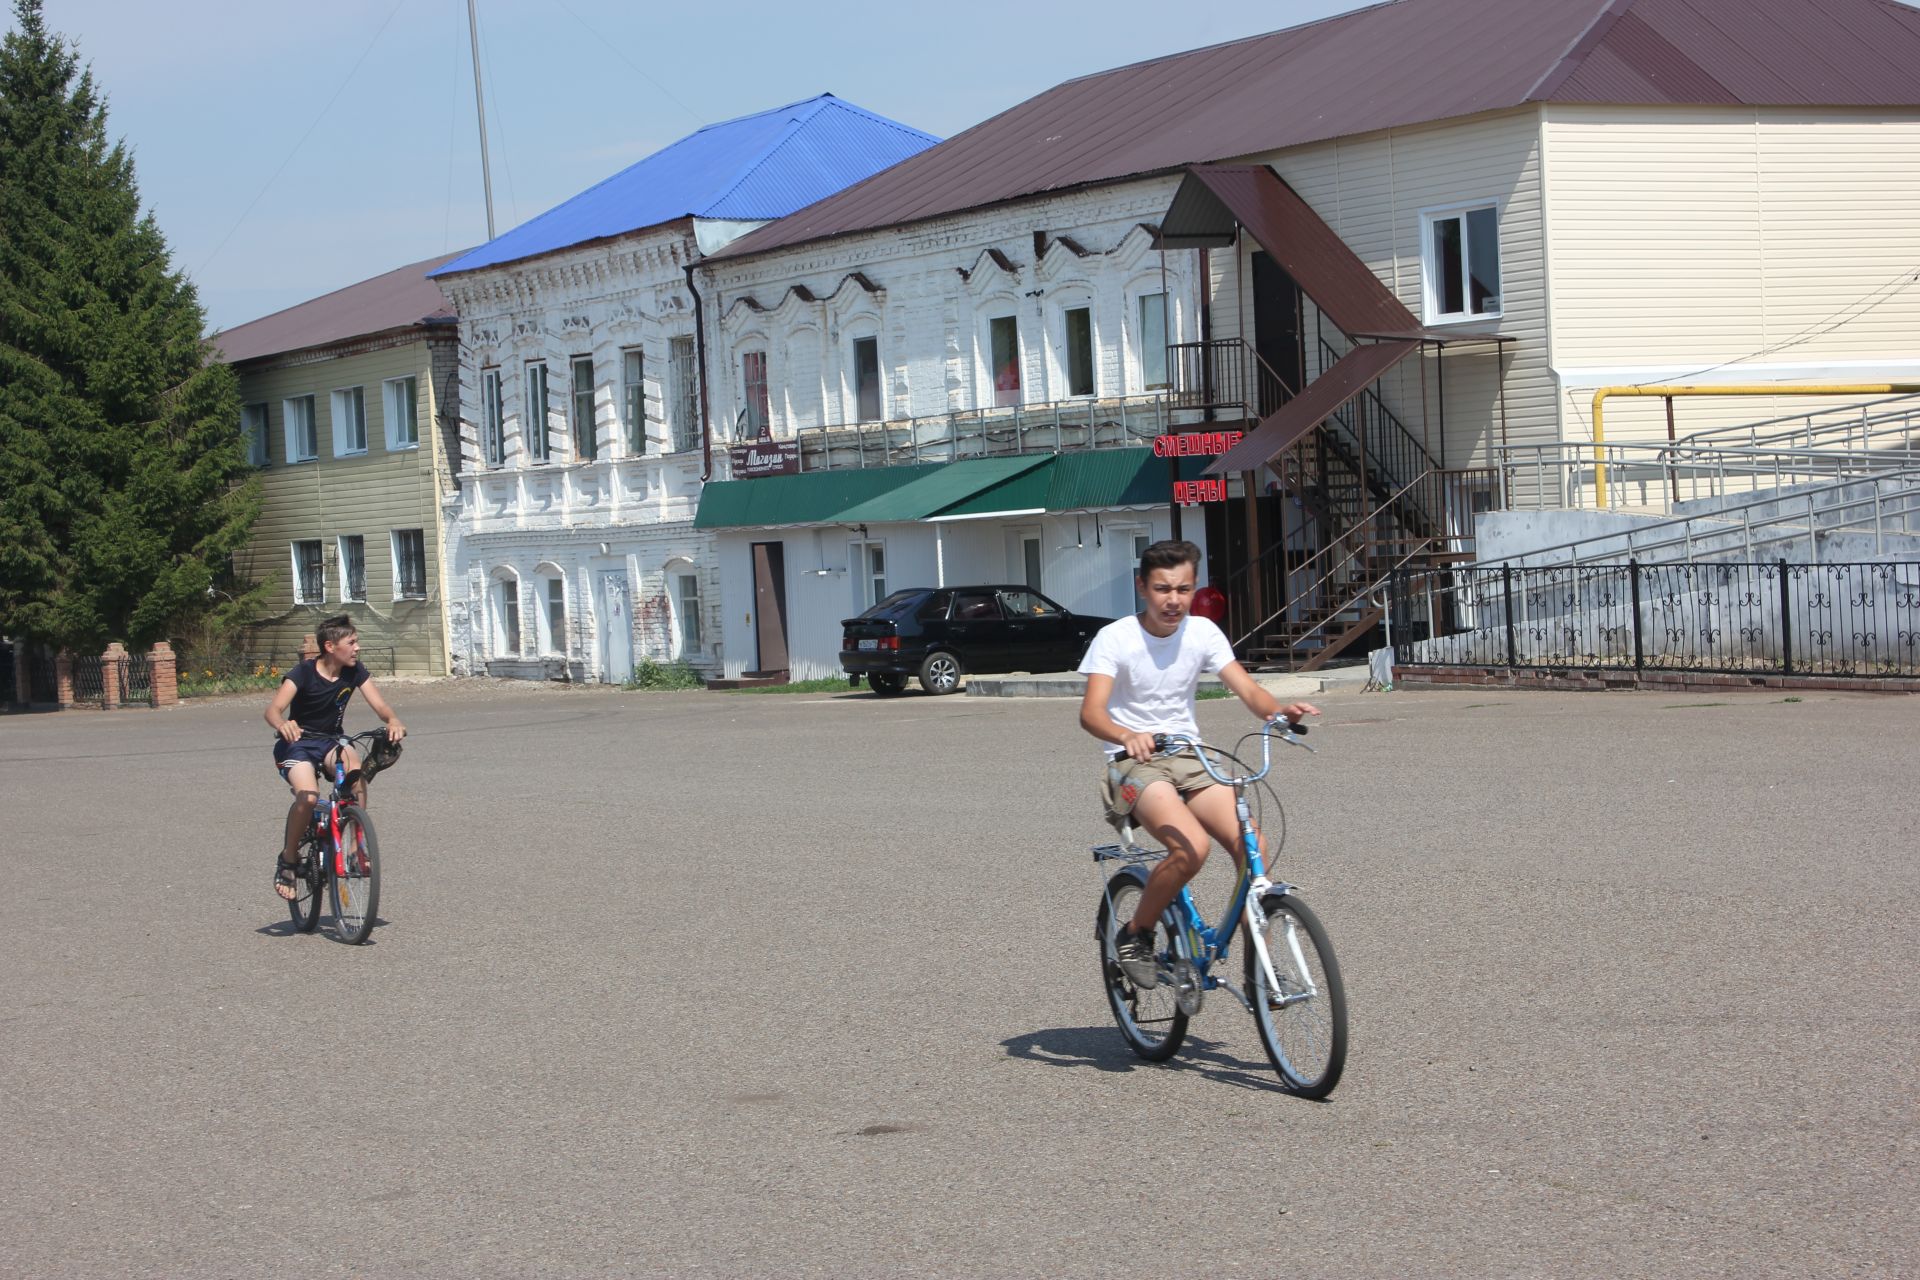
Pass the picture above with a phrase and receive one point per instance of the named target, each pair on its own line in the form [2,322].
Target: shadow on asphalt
[1102,1049]
[285,929]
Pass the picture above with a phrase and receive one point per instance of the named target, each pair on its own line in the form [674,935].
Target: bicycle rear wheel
[1150,1021]
[1305,1034]
[355,876]
[304,906]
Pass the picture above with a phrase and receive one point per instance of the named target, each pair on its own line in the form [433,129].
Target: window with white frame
[586,433]
[349,421]
[633,400]
[682,379]
[409,564]
[309,574]
[1078,351]
[493,419]
[756,420]
[1003,359]
[534,421]
[686,602]
[253,423]
[1153,341]
[869,561]
[1462,263]
[303,443]
[353,567]
[402,405]
[866,379]
[554,624]
[506,616]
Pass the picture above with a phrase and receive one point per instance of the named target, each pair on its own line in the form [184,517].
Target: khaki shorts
[1124,779]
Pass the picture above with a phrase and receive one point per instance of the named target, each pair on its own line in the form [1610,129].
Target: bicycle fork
[1277,998]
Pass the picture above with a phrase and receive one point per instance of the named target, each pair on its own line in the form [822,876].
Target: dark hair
[1167,554]
[334,629]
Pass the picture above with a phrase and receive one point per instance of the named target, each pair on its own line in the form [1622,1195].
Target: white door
[616,627]
[1126,544]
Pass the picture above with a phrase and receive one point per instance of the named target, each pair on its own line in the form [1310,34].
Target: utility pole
[480,110]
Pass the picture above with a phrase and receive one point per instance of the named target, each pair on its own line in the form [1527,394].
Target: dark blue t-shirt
[319,705]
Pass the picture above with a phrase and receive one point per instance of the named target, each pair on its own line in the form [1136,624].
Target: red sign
[1191,493]
[1195,444]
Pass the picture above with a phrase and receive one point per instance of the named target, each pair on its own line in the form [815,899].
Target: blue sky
[289,148]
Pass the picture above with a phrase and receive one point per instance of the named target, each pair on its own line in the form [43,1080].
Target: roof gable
[753,169]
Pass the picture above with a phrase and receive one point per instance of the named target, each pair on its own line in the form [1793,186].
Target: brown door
[770,604]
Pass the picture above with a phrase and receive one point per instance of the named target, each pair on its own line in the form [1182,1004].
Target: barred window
[309,575]
[409,564]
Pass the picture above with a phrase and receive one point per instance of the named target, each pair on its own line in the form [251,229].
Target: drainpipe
[700,361]
[1695,389]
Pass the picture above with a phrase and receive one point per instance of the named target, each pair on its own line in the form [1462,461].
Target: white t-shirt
[1154,677]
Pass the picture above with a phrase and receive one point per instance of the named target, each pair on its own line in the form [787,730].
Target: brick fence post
[63,680]
[309,647]
[165,674]
[113,670]
[22,674]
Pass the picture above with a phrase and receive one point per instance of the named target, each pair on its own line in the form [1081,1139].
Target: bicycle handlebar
[1292,734]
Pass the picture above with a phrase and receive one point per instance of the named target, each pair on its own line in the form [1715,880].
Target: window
[1003,359]
[686,394]
[409,564]
[1079,351]
[506,616]
[303,445]
[253,423]
[1153,341]
[633,401]
[349,421]
[556,615]
[975,606]
[686,590]
[869,561]
[402,397]
[493,420]
[353,567]
[1027,604]
[586,441]
[535,426]
[866,379]
[1463,264]
[755,425]
[309,576]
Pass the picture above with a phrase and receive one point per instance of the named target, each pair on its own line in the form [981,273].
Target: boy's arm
[1095,720]
[1258,700]
[276,712]
[395,730]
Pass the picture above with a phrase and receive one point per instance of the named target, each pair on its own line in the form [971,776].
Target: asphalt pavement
[804,985]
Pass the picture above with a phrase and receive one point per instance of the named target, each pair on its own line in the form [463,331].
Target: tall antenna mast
[480,110]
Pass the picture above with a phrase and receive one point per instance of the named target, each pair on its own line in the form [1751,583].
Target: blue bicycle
[1292,981]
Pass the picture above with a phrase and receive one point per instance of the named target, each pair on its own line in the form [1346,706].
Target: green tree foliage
[124,482]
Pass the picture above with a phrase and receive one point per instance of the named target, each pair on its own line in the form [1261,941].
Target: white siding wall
[1723,245]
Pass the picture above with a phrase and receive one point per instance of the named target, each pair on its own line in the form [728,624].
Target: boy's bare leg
[306,794]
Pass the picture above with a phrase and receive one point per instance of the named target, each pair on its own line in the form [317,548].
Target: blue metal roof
[756,168]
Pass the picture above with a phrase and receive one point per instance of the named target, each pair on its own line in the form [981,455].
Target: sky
[289,148]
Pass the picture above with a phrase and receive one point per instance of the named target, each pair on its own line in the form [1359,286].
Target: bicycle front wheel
[304,906]
[1303,1023]
[356,876]
[1150,1020]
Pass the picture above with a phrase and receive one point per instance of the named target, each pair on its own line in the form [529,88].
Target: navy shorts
[311,750]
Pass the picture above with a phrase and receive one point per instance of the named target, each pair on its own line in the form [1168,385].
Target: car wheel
[886,683]
[940,673]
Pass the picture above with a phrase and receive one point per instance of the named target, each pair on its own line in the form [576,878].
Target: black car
[939,633]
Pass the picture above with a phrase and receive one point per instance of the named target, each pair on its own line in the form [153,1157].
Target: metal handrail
[1674,465]
[1858,418]
[1048,427]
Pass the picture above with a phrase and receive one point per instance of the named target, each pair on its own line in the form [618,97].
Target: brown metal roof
[397,300]
[1383,67]
[1350,375]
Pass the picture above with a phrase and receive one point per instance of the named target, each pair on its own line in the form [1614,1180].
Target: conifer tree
[124,482]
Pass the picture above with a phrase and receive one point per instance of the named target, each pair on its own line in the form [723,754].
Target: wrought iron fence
[136,679]
[89,680]
[1857,619]
[43,675]
[8,693]
[1053,427]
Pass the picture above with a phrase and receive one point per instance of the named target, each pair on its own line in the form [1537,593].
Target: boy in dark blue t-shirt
[307,711]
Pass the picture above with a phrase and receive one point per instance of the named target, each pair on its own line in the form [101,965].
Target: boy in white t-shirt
[1141,674]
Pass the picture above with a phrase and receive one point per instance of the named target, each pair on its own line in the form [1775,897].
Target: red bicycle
[339,855]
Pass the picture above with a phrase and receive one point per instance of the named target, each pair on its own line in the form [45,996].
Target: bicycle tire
[1150,1021]
[355,876]
[304,906]
[1306,1041]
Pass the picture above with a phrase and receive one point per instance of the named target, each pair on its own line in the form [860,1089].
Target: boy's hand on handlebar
[395,730]
[1293,711]
[290,731]
[1139,745]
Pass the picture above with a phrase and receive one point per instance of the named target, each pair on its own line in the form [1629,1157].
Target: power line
[620,53]
[303,137]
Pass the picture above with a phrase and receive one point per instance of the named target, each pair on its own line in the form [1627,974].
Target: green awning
[814,497]
[941,488]
[1080,482]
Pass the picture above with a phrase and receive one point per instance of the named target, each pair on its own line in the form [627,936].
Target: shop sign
[765,458]
[1191,493]
[1195,444]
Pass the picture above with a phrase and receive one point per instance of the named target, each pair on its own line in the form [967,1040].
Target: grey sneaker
[1134,951]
